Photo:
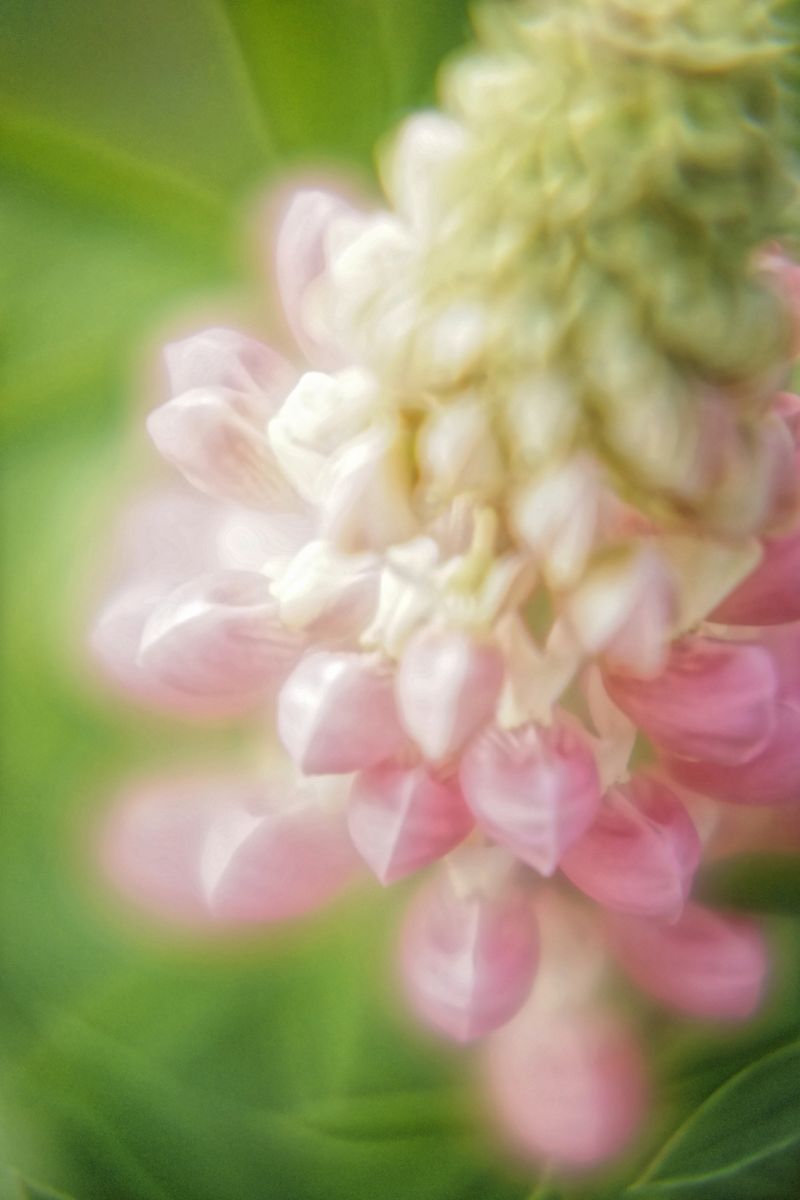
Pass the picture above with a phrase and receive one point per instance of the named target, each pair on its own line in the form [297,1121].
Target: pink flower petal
[533,790]
[164,538]
[402,818]
[706,964]
[715,700]
[336,713]
[771,594]
[225,851]
[783,645]
[219,635]
[448,685]
[301,261]
[225,358]
[220,445]
[640,854]
[567,1087]
[468,959]
[771,777]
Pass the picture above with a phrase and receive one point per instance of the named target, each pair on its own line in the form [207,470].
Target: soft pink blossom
[706,963]
[448,683]
[336,713]
[229,850]
[402,818]
[641,852]
[468,956]
[534,790]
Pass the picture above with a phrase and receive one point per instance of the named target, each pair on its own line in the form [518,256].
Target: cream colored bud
[457,450]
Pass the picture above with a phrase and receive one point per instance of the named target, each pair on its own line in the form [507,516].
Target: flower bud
[533,790]
[714,700]
[217,441]
[336,713]
[705,964]
[402,818]
[448,684]
[219,634]
[640,854]
[468,958]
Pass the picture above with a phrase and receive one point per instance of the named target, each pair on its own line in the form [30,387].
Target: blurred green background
[135,136]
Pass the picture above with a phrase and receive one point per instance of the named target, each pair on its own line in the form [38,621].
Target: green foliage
[743,1140]
[132,1066]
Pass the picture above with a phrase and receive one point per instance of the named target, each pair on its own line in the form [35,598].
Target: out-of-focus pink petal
[567,1087]
[212,436]
[246,540]
[533,790]
[783,645]
[771,777]
[448,685]
[771,594]
[715,700]
[706,963]
[225,358]
[641,852]
[302,252]
[468,957]
[115,641]
[336,713]
[402,818]
[164,538]
[226,851]
[219,634]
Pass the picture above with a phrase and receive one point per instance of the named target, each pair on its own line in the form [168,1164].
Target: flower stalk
[547,378]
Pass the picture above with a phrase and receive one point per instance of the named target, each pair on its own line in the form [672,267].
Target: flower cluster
[517,558]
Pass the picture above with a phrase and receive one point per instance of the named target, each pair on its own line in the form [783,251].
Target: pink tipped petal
[771,594]
[783,645]
[772,777]
[336,713]
[225,851]
[448,685]
[468,958]
[706,964]
[640,854]
[533,790]
[115,643]
[301,259]
[165,538]
[213,438]
[714,701]
[567,1088]
[219,635]
[224,358]
[401,819]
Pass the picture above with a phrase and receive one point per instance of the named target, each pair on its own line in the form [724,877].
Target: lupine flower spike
[512,548]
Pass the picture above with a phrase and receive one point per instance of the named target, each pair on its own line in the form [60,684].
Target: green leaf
[26,1190]
[751,1123]
[768,883]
